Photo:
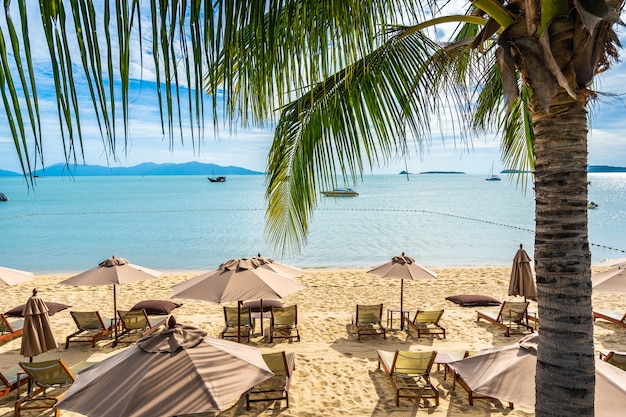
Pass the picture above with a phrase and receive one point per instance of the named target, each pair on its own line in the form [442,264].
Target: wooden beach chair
[52,379]
[237,327]
[137,322]
[610,316]
[10,378]
[426,322]
[90,328]
[409,373]
[284,323]
[277,387]
[10,329]
[511,314]
[368,320]
[616,359]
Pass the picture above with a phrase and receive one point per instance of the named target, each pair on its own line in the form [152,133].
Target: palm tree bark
[566,369]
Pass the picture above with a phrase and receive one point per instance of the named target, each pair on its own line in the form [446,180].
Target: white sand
[336,375]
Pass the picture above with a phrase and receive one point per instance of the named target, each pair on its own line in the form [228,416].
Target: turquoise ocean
[176,223]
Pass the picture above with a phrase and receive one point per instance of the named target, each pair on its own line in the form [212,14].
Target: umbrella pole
[238,321]
[401,307]
[261,306]
[114,316]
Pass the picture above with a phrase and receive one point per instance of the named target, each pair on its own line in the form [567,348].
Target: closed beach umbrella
[37,337]
[237,280]
[522,281]
[176,371]
[508,374]
[113,271]
[612,280]
[403,267]
[10,276]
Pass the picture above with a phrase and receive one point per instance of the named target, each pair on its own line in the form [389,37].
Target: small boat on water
[3,197]
[341,192]
[217,179]
[591,205]
[492,177]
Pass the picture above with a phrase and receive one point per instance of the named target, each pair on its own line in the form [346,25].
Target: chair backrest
[47,374]
[134,319]
[285,316]
[369,313]
[88,320]
[230,316]
[5,326]
[407,364]
[616,359]
[277,362]
[512,311]
[425,317]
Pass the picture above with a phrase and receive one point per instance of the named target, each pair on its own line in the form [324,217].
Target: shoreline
[335,373]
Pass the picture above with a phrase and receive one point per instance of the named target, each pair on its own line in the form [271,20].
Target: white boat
[341,192]
[3,197]
[591,205]
[492,177]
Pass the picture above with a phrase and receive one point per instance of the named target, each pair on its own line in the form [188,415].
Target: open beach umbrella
[612,280]
[522,281]
[176,371]
[508,373]
[10,276]
[237,280]
[403,267]
[37,337]
[113,271]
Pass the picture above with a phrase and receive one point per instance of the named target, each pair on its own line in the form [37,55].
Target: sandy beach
[336,375]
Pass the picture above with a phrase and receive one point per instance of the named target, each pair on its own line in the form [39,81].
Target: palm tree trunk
[565,370]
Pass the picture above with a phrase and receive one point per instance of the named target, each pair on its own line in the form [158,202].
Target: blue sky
[249,147]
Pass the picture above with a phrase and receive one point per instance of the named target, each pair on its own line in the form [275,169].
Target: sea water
[174,223]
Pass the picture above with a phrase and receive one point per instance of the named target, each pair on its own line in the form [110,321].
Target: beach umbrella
[237,280]
[113,271]
[508,373]
[522,281]
[10,276]
[403,267]
[612,280]
[176,371]
[614,262]
[37,337]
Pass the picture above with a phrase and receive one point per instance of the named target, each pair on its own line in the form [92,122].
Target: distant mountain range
[148,168]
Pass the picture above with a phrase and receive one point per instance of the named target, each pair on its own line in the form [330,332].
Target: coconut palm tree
[355,82]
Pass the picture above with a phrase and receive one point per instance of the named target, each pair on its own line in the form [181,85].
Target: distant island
[148,168]
[442,172]
[606,168]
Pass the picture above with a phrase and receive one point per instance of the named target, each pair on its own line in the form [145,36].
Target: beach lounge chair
[610,316]
[471,395]
[409,373]
[10,329]
[284,323]
[277,387]
[53,375]
[368,320]
[137,322]
[244,322]
[10,378]
[90,327]
[511,314]
[616,359]
[426,322]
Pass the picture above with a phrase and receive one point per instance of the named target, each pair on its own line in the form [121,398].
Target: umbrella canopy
[522,281]
[37,336]
[113,271]
[176,371]
[612,280]
[508,373]
[286,271]
[10,276]
[615,262]
[403,267]
[237,280]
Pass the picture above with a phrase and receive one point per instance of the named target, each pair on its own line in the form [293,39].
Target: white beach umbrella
[10,276]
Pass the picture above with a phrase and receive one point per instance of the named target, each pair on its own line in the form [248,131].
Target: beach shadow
[386,406]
